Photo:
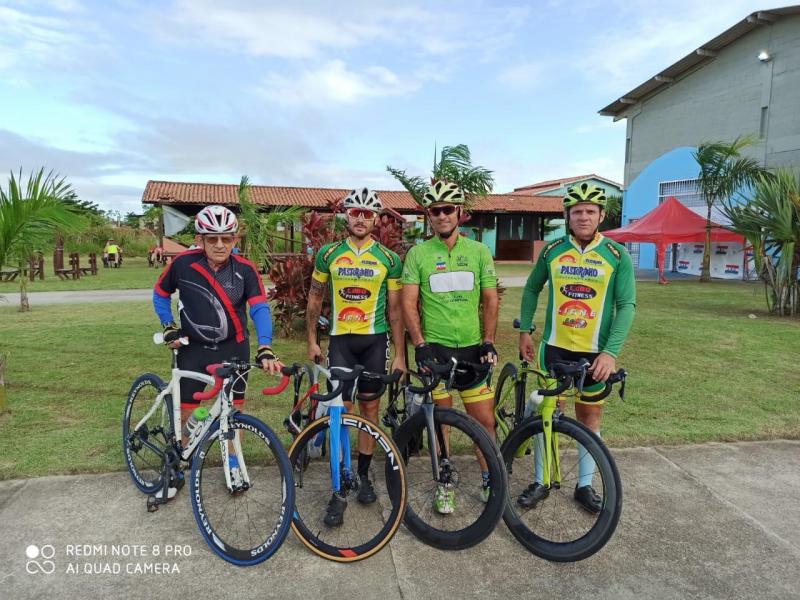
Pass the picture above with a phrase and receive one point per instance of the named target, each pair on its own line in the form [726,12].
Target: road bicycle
[325,439]
[546,446]
[443,449]
[241,484]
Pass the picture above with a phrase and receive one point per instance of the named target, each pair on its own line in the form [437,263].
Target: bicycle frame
[221,409]
[338,440]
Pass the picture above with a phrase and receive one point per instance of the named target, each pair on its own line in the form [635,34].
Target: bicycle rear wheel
[245,526]
[505,402]
[367,527]
[472,519]
[144,447]
[557,528]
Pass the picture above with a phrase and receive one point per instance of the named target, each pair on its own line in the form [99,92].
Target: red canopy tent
[670,223]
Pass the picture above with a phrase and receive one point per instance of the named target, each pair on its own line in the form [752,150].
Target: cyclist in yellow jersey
[363,278]
[591,303]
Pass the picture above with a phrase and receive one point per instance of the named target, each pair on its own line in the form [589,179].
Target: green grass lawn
[700,370]
[513,269]
[134,273]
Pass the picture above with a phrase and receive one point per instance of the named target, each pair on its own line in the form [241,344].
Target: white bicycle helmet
[363,198]
[215,219]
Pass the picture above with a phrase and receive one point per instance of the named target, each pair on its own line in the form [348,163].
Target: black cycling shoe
[334,514]
[366,493]
[588,499]
[532,495]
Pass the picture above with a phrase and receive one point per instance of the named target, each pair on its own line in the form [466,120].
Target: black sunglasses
[448,210]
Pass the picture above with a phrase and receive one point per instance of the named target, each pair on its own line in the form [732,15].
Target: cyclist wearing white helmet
[363,279]
[215,287]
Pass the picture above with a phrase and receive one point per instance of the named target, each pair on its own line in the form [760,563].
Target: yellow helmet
[443,192]
[585,192]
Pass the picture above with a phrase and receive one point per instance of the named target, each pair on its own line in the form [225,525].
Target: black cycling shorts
[351,349]
[196,357]
[472,354]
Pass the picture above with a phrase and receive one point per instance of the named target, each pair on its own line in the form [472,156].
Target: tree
[770,221]
[454,164]
[260,226]
[613,212]
[29,217]
[723,172]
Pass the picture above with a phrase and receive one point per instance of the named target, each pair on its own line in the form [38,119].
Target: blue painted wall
[642,194]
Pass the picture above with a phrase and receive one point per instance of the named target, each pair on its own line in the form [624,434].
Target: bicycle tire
[420,518]
[553,517]
[366,528]
[144,462]
[505,402]
[269,498]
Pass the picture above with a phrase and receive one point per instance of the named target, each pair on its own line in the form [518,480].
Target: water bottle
[532,403]
[195,421]
[413,403]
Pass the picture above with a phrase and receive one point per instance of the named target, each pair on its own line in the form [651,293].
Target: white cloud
[334,83]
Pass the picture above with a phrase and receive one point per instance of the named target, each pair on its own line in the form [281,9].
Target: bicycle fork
[339,446]
[546,445]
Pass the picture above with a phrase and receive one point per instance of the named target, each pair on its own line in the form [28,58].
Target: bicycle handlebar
[339,375]
[439,371]
[571,373]
[385,380]
[288,373]
[218,380]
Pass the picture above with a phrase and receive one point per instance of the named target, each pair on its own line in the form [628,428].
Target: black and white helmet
[363,198]
[215,219]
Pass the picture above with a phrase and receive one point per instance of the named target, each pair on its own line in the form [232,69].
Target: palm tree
[455,165]
[260,226]
[29,217]
[723,171]
[770,221]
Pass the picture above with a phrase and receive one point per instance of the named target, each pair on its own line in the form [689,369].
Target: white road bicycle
[241,484]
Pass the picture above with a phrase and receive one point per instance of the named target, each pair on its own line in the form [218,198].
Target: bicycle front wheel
[557,527]
[244,523]
[456,511]
[144,446]
[367,527]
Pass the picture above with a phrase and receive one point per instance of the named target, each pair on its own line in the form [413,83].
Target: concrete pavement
[703,521]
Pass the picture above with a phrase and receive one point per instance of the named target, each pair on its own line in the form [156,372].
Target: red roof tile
[175,193]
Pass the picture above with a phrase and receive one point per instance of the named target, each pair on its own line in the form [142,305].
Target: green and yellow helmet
[442,192]
[585,192]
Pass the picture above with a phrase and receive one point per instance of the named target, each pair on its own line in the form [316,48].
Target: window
[685,191]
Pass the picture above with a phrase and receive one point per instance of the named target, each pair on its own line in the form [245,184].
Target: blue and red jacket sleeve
[162,291]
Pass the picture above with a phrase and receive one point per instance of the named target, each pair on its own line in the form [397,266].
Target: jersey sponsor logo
[461,261]
[576,308]
[574,323]
[440,266]
[593,261]
[343,260]
[364,261]
[351,314]
[582,272]
[354,294]
[357,272]
[578,291]
[566,258]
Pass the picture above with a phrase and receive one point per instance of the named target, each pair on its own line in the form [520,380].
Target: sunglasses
[214,239]
[442,210]
[363,213]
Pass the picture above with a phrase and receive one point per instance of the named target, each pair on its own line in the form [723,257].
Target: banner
[174,220]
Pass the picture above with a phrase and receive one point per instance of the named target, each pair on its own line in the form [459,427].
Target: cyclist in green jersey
[453,280]
[590,306]
[363,278]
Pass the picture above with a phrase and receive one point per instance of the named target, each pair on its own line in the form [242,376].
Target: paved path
[708,521]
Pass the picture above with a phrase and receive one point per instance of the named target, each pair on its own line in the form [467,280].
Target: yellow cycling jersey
[358,280]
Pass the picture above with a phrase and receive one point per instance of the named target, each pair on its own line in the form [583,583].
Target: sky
[114,93]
